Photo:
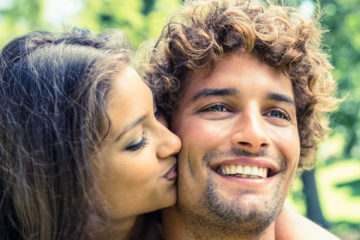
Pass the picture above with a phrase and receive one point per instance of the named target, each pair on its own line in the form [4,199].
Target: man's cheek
[211,130]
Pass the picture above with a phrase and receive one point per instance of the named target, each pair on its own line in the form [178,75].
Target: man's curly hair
[205,31]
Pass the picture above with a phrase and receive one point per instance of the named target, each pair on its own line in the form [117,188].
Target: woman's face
[135,167]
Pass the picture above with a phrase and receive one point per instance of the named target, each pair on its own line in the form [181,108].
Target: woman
[82,154]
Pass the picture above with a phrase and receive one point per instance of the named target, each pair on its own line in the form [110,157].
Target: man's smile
[243,171]
[246,167]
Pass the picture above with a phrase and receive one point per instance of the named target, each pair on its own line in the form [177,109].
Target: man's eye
[277,114]
[138,145]
[216,108]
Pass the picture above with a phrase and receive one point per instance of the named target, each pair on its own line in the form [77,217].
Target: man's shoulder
[290,225]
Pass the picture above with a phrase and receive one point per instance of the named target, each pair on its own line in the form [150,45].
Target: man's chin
[250,217]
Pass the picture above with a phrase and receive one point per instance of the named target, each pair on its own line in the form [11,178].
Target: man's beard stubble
[232,217]
[237,217]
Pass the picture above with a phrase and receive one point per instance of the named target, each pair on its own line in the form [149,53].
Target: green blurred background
[330,195]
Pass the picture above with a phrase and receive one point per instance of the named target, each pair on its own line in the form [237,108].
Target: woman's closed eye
[157,112]
[132,147]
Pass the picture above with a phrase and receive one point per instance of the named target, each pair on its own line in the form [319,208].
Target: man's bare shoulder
[290,225]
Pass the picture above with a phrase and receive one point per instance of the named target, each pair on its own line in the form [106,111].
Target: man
[248,88]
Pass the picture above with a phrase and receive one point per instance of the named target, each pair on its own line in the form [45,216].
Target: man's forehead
[233,77]
[222,69]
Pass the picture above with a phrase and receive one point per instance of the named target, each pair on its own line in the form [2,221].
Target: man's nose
[250,132]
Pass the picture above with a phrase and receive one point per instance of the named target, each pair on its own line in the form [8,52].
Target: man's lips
[172,173]
[246,167]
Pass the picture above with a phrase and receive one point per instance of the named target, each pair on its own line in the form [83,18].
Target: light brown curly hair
[205,31]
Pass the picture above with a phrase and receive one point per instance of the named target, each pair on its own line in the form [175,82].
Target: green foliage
[19,16]
[343,39]
[141,20]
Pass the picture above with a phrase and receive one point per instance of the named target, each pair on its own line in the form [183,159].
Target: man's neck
[179,226]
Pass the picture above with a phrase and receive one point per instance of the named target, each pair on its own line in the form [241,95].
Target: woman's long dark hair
[53,90]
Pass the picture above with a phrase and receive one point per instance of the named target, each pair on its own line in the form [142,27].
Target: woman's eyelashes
[132,147]
[158,112]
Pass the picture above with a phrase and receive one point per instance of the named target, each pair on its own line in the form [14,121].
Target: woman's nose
[170,144]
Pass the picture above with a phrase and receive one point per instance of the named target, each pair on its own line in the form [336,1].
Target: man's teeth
[244,171]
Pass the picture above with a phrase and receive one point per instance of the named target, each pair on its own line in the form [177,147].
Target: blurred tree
[343,39]
[20,16]
[141,20]
[342,42]
[313,208]
[148,6]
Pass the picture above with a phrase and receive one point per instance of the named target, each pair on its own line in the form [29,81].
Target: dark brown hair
[53,91]
[205,31]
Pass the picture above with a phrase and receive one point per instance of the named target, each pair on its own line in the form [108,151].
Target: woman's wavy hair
[53,95]
[205,31]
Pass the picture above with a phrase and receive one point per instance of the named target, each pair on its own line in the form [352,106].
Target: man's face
[240,144]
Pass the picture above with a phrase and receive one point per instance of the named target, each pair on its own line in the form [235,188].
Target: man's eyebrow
[131,126]
[280,98]
[206,92]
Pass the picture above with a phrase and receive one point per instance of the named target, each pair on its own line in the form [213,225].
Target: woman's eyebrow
[131,126]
